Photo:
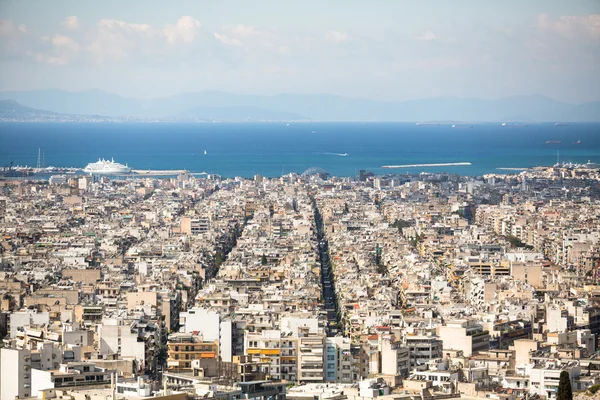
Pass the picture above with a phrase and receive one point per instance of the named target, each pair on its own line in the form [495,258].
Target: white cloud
[115,39]
[7,27]
[185,30]
[336,36]
[72,22]
[427,36]
[118,25]
[254,41]
[229,41]
[571,26]
[62,49]
[65,42]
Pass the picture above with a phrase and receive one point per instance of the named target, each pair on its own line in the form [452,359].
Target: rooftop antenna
[39,160]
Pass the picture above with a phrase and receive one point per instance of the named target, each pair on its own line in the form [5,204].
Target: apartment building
[466,335]
[183,348]
[338,360]
[15,376]
[211,327]
[311,349]
[423,347]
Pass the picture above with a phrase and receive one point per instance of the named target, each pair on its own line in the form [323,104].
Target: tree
[263,260]
[564,387]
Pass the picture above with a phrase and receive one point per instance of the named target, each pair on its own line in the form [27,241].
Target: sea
[273,149]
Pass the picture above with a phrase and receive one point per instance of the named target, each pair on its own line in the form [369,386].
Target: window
[330,357]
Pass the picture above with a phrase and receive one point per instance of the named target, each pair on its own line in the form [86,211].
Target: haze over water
[238,149]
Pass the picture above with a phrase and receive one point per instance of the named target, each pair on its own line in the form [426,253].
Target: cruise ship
[106,167]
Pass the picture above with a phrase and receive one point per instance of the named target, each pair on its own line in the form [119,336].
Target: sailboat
[204,152]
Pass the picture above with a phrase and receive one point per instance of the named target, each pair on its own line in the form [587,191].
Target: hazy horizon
[380,51]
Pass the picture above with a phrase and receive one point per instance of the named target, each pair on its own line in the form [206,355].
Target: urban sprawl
[303,287]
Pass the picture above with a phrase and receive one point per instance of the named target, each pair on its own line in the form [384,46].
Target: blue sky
[371,49]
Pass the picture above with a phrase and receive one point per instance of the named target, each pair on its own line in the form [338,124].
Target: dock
[151,172]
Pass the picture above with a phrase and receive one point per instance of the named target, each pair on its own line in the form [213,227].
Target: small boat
[204,152]
[577,141]
[553,142]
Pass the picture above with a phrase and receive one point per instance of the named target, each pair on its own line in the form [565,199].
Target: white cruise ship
[106,167]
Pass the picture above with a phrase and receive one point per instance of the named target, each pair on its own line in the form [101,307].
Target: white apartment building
[544,377]
[395,358]
[466,335]
[15,373]
[210,325]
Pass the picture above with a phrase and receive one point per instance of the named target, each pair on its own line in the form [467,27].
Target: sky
[376,49]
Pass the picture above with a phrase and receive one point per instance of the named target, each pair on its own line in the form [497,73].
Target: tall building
[465,335]
[183,348]
[15,376]
[338,360]
[423,347]
[311,348]
[210,325]
[395,359]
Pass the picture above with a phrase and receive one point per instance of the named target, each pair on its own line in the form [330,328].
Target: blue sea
[270,149]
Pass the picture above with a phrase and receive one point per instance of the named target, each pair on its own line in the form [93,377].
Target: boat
[105,167]
[578,141]
[204,152]
[553,142]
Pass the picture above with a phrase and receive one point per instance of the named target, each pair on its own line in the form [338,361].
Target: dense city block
[428,286]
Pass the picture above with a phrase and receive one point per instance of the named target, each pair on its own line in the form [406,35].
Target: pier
[159,172]
[455,164]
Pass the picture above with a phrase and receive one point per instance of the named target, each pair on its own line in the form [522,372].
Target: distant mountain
[322,107]
[10,110]
[238,114]
[13,111]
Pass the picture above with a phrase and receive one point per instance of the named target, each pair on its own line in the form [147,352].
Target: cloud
[256,42]
[118,25]
[427,36]
[229,41]
[240,35]
[336,36]
[8,27]
[72,22]
[65,42]
[185,30]
[61,51]
[571,26]
[113,39]
[14,40]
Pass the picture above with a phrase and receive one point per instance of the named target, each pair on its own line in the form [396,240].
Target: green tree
[564,387]
[263,259]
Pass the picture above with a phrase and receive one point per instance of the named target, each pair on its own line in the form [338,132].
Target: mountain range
[206,106]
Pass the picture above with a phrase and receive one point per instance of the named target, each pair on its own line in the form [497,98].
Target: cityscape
[300,200]
[406,286]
